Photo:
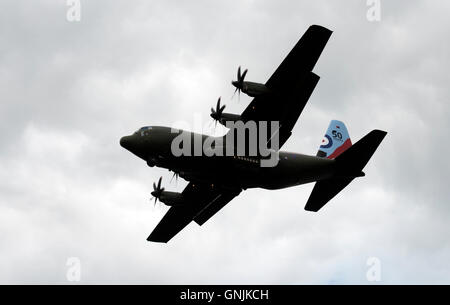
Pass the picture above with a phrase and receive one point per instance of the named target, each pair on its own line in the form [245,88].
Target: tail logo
[335,141]
[328,142]
[337,135]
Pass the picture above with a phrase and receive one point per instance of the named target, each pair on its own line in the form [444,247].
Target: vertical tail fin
[335,141]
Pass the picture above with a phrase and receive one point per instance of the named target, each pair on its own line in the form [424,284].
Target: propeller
[157,190]
[175,175]
[216,114]
[239,83]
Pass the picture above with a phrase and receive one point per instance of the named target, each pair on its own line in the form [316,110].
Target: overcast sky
[70,90]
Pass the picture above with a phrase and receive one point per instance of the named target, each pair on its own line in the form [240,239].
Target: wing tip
[156,239]
[380,132]
[310,209]
[320,28]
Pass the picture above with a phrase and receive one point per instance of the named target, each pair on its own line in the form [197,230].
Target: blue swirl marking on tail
[329,144]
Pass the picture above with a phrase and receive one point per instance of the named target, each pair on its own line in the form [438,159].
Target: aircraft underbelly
[291,170]
[294,169]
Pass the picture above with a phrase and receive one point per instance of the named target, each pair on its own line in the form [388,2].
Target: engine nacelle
[254,89]
[171,198]
[229,117]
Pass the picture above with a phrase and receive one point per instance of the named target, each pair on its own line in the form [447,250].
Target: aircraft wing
[202,202]
[291,84]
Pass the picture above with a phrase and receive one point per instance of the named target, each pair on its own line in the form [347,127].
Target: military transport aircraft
[216,180]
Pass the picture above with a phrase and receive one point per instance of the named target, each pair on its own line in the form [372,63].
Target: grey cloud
[71,90]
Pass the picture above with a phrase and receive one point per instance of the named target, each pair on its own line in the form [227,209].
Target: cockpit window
[142,130]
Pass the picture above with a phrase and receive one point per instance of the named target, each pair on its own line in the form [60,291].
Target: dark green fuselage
[154,145]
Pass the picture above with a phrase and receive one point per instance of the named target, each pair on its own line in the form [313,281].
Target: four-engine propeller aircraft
[216,180]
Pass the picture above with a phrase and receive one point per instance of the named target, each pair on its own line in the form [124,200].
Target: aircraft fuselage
[154,145]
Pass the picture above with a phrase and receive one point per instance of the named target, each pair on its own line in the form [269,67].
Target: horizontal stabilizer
[349,166]
[356,157]
[324,191]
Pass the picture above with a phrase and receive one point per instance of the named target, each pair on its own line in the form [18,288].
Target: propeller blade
[175,175]
[239,83]
[243,76]
[235,92]
[216,113]
[157,190]
[218,104]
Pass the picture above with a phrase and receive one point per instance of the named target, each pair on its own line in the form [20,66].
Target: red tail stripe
[340,149]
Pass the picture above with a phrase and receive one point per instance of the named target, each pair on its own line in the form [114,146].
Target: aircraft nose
[125,142]
[133,144]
